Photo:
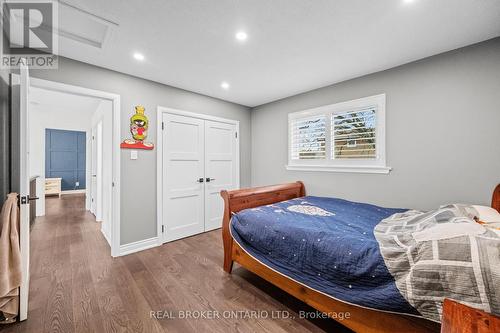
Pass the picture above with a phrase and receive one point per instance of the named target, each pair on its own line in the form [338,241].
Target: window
[354,134]
[343,137]
[309,138]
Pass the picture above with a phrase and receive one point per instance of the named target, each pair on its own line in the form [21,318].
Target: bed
[271,233]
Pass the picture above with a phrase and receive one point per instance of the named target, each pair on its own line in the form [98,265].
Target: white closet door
[221,169]
[183,173]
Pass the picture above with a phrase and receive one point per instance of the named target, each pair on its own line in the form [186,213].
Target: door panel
[93,174]
[220,169]
[183,166]
[24,187]
[99,195]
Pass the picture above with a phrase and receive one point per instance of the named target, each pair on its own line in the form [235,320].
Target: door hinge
[236,135]
[24,199]
[162,125]
[112,184]
[162,229]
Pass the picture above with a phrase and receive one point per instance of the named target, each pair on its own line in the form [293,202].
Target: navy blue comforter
[326,244]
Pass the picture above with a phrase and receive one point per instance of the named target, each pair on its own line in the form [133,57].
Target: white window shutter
[308,138]
[354,134]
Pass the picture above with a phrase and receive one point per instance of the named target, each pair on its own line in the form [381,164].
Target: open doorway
[70,150]
[73,159]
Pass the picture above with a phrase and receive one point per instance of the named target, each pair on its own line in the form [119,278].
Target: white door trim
[116,140]
[159,158]
[92,162]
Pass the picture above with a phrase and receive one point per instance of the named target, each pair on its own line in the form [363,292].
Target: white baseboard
[74,192]
[106,236]
[138,246]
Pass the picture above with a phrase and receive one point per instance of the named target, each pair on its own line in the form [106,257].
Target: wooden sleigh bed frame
[360,319]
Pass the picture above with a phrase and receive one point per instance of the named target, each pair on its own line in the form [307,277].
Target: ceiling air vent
[82,26]
[73,23]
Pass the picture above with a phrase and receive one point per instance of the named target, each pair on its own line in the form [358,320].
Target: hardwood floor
[77,287]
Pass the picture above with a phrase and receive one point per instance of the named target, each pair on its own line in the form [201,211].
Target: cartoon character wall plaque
[139,124]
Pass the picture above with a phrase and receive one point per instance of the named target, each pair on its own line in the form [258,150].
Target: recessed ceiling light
[139,56]
[241,36]
[224,85]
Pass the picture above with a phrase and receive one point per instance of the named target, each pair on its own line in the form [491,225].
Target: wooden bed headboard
[237,200]
[495,199]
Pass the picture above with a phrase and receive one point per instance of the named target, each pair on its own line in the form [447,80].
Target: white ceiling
[48,100]
[293,45]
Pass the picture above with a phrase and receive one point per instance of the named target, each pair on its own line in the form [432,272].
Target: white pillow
[448,230]
[487,214]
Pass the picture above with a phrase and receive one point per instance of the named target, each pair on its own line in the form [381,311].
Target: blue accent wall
[65,154]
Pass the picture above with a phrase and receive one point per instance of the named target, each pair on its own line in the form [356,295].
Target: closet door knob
[208,180]
[200,180]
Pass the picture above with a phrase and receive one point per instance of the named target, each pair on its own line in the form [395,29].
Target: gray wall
[4,132]
[138,184]
[443,132]
[4,135]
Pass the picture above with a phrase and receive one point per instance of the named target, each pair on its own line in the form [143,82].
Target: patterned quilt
[441,254]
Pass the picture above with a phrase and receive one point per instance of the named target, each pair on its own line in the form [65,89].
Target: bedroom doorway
[198,156]
[54,111]
[80,127]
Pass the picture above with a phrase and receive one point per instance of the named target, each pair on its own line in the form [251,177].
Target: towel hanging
[10,259]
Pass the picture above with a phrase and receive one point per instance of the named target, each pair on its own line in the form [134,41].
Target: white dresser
[53,186]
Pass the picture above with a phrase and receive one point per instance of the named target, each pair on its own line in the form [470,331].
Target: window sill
[346,169]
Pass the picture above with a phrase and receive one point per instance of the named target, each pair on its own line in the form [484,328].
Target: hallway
[76,286]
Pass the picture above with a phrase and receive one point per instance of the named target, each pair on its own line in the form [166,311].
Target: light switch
[134,154]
